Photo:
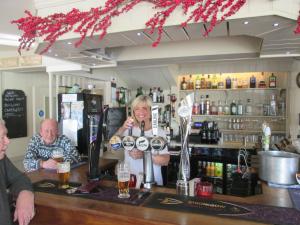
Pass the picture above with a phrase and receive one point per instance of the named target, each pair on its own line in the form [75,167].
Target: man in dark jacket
[16,183]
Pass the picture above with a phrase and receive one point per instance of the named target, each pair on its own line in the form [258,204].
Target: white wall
[25,82]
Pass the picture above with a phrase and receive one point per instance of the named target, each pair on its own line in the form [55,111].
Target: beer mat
[258,213]
[295,196]
[103,193]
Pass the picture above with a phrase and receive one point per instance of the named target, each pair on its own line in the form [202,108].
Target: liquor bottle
[226,108]
[273,105]
[228,83]
[240,108]
[154,96]
[220,108]
[162,97]
[213,109]
[150,93]
[191,83]
[203,82]
[202,105]
[139,92]
[233,108]
[248,110]
[214,84]
[208,82]
[272,81]
[252,81]
[183,85]
[204,133]
[158,95]
[207,105]
[198,83]
[221,82]
[234,83]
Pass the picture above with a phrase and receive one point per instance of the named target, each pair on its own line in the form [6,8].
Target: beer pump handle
[130,131]
[142,128]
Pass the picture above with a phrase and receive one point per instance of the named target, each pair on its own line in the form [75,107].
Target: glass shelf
[251,131]
[240,116]
[233,89]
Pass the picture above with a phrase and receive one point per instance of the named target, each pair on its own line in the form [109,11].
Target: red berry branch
[297,30]
[87,23]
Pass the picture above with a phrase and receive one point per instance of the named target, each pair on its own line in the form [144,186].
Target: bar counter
[59,210]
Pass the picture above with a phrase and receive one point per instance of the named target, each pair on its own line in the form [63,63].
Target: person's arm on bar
[20,186]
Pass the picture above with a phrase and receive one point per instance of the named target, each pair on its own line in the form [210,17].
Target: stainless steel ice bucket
[278,167]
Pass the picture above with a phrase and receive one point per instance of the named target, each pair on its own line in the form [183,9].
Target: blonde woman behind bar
[141,111]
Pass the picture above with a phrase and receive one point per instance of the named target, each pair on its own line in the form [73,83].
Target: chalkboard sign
[14,113]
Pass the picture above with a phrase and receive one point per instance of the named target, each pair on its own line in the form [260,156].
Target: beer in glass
[123,180]
[58,155]
[63,170]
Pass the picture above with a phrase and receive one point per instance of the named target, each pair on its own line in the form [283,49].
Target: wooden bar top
[59,210]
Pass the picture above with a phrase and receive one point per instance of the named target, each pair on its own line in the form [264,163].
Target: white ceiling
[11,10]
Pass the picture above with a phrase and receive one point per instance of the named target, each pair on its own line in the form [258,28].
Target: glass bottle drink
[240,108]
[183,85]
[248,110]
[233,108]
[191,83]
[208,82]
[202,105]
[226,109]
[158,95]
[150,93]
[220,108]
[272,81]
[228,83]
[214,84]
[154,95]
[203,82]
[252,81]
[213,109]
[273,105]
[198,83]
[207,105]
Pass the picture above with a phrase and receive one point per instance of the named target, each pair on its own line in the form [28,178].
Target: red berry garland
[86,23]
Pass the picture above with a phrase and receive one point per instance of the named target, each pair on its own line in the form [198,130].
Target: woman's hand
[129,122]
[136,154]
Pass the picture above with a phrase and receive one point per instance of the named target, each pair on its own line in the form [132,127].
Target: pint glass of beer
[123,180]
[58,155]
[63,170]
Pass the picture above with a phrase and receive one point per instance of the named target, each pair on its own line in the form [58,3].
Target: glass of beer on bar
[63,170]
[58,155]
[123,180]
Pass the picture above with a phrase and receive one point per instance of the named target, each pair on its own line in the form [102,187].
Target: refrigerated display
[79,117]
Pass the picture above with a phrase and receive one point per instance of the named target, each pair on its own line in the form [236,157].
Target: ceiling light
[9,39]
[275,24]
[69,43]
[246,22]
[55,55]
[139,34]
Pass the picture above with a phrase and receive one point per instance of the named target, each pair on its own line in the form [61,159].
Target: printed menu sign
[14,113]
